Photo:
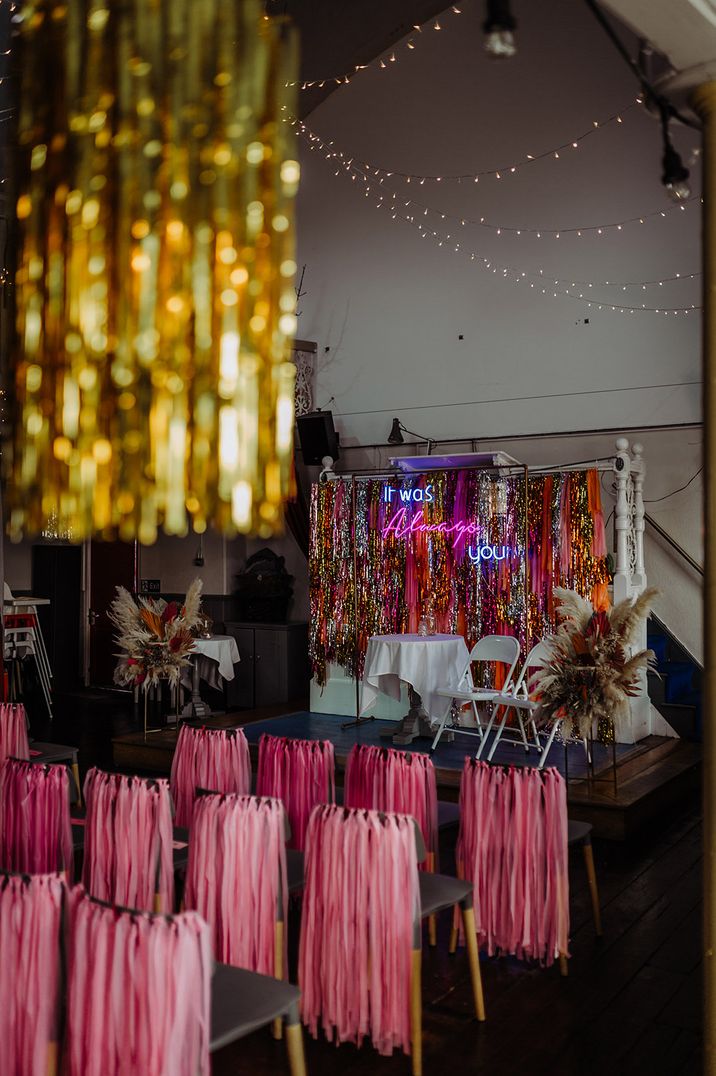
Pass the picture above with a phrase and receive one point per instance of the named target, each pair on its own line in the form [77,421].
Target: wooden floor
[632,1001]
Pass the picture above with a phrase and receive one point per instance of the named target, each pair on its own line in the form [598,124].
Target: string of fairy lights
[539,280]
[387,59]
[555,153]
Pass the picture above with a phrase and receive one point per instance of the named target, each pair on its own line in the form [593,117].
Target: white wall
[390,305]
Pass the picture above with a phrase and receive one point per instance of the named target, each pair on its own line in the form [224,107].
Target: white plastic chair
[504,648]
[517,700]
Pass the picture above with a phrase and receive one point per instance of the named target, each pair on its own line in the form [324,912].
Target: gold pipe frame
[155,283]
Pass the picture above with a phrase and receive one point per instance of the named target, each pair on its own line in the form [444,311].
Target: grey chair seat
[578,832]
[438,891]
[242,1001]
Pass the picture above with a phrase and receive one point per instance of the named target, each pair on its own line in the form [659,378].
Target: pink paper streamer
[388,780]
[213,759]
[512,846]
[236,877]
[138,993]
[13,732]
[30,922]
[300,773]
[35,829]
[128,841]
[360,907]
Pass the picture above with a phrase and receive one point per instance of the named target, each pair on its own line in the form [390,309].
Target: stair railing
[673,544]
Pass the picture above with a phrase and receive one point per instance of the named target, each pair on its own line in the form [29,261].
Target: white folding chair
[516,700]
[504,648]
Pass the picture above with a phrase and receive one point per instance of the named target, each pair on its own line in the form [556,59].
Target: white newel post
[630,571]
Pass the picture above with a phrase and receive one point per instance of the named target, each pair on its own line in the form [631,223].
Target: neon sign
[408,496]
[488,552]
[404,523]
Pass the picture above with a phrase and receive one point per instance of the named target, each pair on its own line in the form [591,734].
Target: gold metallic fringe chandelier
[155,297]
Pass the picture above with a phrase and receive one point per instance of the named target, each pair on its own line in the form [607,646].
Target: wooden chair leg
[294,1047]
[277,1028]
[76,775]
[157,905]
[416,1013]
[468,918]
[452,947]
[563,968]
[52,1052]
[593,891]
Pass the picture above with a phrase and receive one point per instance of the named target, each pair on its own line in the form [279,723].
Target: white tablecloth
[427,662]
[215,658]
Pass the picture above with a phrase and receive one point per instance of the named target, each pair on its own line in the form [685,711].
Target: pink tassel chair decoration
[361,908]
[214,759]
[236,879]
[35,827]
[512,846]
[13,731]
[128,841]
[138,993]
[30,922]
[383,779]
[300,773]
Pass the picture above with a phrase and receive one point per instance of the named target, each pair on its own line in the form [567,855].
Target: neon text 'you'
[408,496]
[488,552]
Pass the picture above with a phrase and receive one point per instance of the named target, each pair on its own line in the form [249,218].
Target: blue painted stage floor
[447,756]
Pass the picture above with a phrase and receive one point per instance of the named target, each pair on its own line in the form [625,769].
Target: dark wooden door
[112,564]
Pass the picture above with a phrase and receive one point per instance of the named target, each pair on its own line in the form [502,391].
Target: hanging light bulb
[499,27]
[674,173]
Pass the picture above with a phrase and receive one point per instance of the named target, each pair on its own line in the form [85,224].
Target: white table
[426,663]
[212,660]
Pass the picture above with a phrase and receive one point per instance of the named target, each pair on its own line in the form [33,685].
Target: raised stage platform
[650,775]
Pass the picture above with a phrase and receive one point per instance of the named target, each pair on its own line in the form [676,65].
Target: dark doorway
[57,575]
[112,564]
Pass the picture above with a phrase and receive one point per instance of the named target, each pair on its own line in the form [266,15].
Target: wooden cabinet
[274,664]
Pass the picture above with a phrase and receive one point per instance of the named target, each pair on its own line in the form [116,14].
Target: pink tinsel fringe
[236,878]
[213,759]
[360,907]
[35,828]
[138,993]
[512,846]
[388,780]
[301,773]
[128,841]
[13,731]
[30,920]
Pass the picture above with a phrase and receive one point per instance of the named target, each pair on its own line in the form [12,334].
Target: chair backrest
[361,906]
[538,656]
[512,846]
[139,989]
[128,841]
[236,879]
[30,971]
[35,827]
[300,773]
[13,731]
[208,758]
[500,648]
[384,779]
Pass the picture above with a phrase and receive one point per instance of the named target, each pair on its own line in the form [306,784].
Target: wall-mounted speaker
[317,436]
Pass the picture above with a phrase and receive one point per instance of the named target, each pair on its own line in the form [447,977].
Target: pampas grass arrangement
[154,637]
[590,675]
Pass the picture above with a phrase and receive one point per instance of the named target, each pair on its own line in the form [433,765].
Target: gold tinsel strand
[155,290]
